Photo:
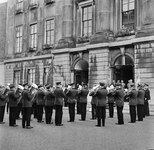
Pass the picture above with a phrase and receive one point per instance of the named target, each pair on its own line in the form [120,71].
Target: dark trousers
[132,110]
[140,112]
[39,112]
[78,108]
[71,107]
[58,114]
[2,110]
[12,116]
[26,116]
[93,111]
[101,115]
[19,109]
[111,110]
[48,113]
[146,108]
[83,109]
[34,110]
[120,114]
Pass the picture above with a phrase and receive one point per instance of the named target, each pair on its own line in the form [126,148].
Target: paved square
[79,135]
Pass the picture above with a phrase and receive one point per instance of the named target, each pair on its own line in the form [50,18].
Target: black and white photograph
[76,74]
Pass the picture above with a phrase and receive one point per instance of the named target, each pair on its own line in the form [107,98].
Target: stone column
[67,28]
[122,50]
[102,15]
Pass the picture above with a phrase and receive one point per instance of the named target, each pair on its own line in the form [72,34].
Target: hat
[101,83]
[84,83]
[20,87]
[39,86]
[25,84]
[58,82]
[34,85]
[48,86]
[146,84]
[11,85]
[71,84]
[132,84]
[118,84]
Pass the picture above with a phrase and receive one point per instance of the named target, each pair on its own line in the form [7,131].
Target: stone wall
[98,66]
[144,65]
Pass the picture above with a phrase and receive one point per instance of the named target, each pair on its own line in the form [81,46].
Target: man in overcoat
[132,94]
[40,102]
[101,96]
[140,102]
[146,100]
[13,100]
[26,107]
[119,99]
[49,104]
[83,93]
[59,98]
[72,98]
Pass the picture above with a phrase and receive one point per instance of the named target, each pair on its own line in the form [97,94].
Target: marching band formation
[34,99]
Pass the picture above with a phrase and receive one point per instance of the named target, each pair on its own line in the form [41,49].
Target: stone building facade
[3,8]
[80,41]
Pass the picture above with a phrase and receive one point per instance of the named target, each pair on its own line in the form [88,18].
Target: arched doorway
[123,69]
[81,72]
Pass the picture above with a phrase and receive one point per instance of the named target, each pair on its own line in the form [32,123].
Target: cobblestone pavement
[79,135]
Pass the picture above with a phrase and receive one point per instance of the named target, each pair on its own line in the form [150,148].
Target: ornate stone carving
[124,31]
[101,37]
[83,39]
[66,43]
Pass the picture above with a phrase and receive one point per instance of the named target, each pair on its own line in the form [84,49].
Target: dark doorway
[81,72]
[124,71]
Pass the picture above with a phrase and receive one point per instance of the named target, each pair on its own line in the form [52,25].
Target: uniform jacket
[147,94]
[49,98]
[40,97]
[13,98]
[110,97]
[94,98]
[59,96]
[133,97]
[2,99]
[83,95]
[101,95]
[72,95]
[140,97]
[119,97]
[26,99]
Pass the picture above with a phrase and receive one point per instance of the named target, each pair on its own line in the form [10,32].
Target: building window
[45,75]
[33,2]
[19,5]
[128,13]
[17,77]
[33,35]
[18,39]
[49,32]
[87,20]
[31,76]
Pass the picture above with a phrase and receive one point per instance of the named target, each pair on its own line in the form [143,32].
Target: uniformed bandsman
[59,98]
[83,93]
[132,94]
[26,107]
[72,98]
[49,104]
[140,102]
[146,100]
[40,103]
[119,99]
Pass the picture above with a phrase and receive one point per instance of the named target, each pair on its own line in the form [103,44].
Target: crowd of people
[37,99]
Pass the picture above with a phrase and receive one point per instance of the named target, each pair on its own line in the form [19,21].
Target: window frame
[19,76]
[20,37]
[19,5]
[35,34]
[45,39]
[82,5]
[31,79]
[128,10]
